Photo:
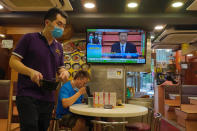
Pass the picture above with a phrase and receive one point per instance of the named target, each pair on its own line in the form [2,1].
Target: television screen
[123,46]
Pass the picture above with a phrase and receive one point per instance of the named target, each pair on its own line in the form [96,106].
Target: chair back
[4,98]
[171,89]
[54,126]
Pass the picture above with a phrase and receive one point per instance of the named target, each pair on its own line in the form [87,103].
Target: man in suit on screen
[123,46]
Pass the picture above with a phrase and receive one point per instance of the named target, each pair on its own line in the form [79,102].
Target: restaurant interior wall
[189,75]
[13,33]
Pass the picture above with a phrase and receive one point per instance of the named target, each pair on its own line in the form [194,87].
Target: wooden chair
[12,110]
[58,127]
[4,101]
[4,98]
[54,124]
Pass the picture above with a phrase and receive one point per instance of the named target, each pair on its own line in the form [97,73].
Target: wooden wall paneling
[159,99]
[15,38]
[18,30]
[190,75]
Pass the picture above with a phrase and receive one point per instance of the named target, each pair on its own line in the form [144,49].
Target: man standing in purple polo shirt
[39,56]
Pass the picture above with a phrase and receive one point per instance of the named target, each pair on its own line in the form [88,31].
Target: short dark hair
[82,74]
[52,13]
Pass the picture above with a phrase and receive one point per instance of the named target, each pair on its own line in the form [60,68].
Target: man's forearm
[16,64]
[66,102]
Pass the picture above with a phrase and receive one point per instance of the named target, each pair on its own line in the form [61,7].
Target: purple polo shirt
[37,54]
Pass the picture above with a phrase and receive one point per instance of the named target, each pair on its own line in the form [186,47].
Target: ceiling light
[177,4]
[2,35]
[132,5]
[1,7]
[158,27]
[152,36]
[89,5]
[189,54]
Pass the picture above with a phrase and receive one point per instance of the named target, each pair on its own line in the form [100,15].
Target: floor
[165,126]
[169,125]
[3,125]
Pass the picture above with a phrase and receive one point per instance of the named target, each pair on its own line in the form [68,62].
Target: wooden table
[170,106]
[193,100]
[187,116]
[174,96]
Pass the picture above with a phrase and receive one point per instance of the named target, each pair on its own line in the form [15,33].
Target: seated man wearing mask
[72,93]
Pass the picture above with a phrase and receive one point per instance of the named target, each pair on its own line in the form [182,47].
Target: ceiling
[114,13]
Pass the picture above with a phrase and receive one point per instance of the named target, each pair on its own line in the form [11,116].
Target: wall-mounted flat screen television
[120,46]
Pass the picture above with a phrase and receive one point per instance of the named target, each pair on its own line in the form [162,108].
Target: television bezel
[110,63]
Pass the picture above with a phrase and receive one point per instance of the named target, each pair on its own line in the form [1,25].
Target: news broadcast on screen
[121,46]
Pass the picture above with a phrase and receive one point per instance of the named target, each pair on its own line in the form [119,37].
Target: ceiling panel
[192,6]
[35,5]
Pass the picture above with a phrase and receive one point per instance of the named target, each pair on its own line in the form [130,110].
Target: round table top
[128,110]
